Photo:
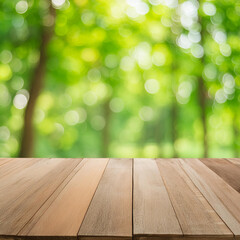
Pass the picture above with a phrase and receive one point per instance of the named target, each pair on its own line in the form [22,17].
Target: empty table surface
[119,199]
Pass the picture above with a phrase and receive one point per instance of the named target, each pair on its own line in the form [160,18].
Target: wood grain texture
[153,213]
[5,160]
[65,215]
[15,166]
[104,238]
[50,200]
[186,238]
[195,215]
[93,199]
[110,212]
[223,198]
[235,161]
[226,170]
[23,194]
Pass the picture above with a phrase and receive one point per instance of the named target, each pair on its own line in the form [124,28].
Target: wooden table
[120,199]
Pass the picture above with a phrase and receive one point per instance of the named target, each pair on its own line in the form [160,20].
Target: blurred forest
[119,78]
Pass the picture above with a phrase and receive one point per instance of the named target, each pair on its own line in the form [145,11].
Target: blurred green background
[116,78]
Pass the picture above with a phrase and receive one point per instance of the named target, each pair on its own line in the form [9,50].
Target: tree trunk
[105,131]
[36,85]
[202,103]
[202,97]
[173,127]
[235,135]
[174,111]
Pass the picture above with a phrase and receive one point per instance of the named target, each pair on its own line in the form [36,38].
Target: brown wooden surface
[227,170]
[119,199]
[23,194]
[110,212]
[195,215]
[234,161]
[152,209]
[72,203]
[223,198]
[14,166]
[5,160]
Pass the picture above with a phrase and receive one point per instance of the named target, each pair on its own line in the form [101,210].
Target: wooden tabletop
[119,199]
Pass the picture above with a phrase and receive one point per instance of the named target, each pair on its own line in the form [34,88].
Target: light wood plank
[195,215]
[110,212]
[153,213]
[223,198]
[183,238]
[64,216]
[226,170]
[15,166]
[235,161]
[49,201]
[5,160]
[23,193]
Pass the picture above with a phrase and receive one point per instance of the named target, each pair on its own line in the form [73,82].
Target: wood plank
[225,169]
[15,166]
[223,198]
[5,160]
[49,201]
[235,161]
[195,215]
[182,238]
[110,212]
[153,213]
[64,216]
[23,193]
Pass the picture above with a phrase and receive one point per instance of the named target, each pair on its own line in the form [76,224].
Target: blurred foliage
[114,70]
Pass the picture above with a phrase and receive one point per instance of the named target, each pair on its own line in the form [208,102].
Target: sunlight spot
[116,105]
[71,117]
[111,61]
[90,98]
[225,50]
[152,86]
[39,115]
[94,75]
[185,89]
[219,36]
[210,71]
[58,3]
[209,9]
[21,7]
[82,115]
[146,113]
[228,80]
[88,18]
[17,83]
[4,133]
[194,37]
[220,96]
[20,101]
[142,55]
[127,63]
[6,56]
[189,8]
[183,41]
[184,92]
[197,50]
[59,128]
